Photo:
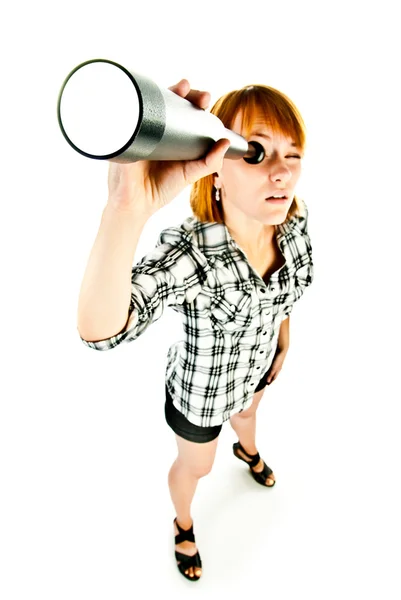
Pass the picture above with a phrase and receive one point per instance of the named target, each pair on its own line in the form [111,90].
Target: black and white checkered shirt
[231,317]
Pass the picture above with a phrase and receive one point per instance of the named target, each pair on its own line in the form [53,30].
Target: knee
[244,415]
[195,470]
[200,471]
[203,473]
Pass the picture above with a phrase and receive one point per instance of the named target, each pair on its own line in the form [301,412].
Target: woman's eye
[261,154]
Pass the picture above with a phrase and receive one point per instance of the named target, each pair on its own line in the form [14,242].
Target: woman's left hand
[277,364]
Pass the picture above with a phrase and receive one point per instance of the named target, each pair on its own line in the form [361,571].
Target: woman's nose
[280,171]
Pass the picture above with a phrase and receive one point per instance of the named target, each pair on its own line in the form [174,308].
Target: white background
[85,451]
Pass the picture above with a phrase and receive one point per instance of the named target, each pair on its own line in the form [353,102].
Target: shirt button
[258,367]
[261,352]
[264,333]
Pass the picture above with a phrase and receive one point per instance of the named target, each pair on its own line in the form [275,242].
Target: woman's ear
[217,180]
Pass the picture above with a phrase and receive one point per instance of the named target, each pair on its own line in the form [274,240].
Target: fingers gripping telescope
[106,112]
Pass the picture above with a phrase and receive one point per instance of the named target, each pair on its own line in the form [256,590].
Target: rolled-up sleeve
[169,275]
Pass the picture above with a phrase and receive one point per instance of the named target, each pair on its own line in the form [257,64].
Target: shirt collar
[214,238]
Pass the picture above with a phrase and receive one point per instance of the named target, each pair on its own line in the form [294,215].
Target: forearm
[284,335]
[105,293]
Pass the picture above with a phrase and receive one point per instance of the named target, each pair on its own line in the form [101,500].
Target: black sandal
[186,535]
[255,458]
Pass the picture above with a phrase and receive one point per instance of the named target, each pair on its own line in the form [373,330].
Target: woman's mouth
[277,200]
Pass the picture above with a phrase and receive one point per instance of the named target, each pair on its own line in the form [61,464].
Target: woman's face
[245,187]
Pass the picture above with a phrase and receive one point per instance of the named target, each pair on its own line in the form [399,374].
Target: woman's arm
[105,294]
[284,335]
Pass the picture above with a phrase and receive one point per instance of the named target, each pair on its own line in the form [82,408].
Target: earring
[217,194]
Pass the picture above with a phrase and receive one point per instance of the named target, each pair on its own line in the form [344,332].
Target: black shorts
[187,430]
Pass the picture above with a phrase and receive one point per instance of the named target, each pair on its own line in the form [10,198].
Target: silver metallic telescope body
[106,112]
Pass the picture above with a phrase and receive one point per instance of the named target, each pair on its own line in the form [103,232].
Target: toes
[190,572]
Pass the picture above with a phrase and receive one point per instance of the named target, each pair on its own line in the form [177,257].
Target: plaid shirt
[231,317]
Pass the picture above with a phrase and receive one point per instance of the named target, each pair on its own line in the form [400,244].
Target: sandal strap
[184,538]
[184,535]
[263,475]
[254,461]
[188,561]
[255,458]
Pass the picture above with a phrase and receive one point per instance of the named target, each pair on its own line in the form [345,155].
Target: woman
[233,270]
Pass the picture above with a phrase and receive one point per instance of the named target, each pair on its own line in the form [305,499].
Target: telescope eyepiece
[255,154]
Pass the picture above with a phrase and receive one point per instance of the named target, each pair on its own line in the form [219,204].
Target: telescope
[107,112]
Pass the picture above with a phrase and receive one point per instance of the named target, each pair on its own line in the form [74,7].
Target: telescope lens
[99,109]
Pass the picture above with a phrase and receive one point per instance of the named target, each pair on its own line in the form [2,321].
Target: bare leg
[244,425]
[193,462]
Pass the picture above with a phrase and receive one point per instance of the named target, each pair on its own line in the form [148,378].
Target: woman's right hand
[146,186]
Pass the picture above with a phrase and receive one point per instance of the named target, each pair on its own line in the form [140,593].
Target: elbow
[91,332]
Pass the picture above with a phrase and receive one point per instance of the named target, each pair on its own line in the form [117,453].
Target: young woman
[233,270]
